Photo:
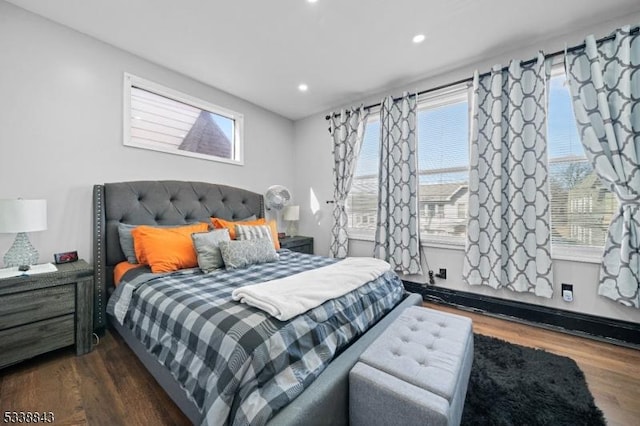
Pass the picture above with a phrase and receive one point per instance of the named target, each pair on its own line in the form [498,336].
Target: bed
[324,399]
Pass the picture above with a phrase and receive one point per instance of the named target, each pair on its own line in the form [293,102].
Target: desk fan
[276,197]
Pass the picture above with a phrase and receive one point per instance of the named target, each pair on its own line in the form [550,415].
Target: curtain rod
[530,61]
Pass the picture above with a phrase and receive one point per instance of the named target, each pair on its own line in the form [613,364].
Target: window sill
[450,244]
[567,253]
[577,254]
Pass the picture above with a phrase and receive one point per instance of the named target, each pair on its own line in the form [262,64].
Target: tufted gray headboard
[155,203]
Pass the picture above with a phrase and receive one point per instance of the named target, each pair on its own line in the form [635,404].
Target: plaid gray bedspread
[238,364]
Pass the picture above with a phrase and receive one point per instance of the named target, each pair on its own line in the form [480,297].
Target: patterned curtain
[347,131]
[397,231]
[508,235]
[604,82]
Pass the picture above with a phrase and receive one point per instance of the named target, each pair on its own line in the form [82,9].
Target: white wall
[61,128]
[313,187]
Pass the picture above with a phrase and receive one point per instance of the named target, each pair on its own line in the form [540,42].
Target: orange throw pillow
[231,226]
[166,249]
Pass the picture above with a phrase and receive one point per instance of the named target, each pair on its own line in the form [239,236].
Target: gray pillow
[126,239]
[242,253]
[208,250]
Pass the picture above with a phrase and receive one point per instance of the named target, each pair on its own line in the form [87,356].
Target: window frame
[568,252]
[446,96]
[439,98]
[131,81]
[450,95]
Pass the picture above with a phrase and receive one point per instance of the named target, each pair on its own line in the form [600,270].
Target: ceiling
[343,50]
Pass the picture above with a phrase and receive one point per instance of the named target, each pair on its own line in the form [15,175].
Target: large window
[581,208]
[162,119]
[443,163]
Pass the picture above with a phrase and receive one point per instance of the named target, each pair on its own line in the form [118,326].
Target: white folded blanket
[288,297]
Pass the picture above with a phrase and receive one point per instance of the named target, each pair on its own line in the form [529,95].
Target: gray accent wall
[313,188]
[61,113]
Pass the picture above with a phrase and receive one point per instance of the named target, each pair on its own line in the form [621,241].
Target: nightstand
[298,243]
[43,312]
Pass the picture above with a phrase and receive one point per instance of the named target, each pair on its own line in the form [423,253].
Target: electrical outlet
[567,292]
[442,273]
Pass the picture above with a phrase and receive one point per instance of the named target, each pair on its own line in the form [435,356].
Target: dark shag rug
[515,385]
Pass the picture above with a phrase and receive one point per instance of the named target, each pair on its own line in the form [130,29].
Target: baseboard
[614,331]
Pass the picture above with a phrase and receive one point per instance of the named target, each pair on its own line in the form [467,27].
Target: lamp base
[21,253]
[292,229]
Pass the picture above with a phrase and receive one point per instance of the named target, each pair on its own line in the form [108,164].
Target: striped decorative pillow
[252,232]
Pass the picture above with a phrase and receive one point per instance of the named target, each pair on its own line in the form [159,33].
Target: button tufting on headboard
[171,203]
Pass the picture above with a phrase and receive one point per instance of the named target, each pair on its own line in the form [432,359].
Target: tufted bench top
[416,372]
[422,347]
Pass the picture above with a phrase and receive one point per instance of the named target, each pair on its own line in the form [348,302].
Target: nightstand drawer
[302,248]
[298,243]
[30,306]
[37,338]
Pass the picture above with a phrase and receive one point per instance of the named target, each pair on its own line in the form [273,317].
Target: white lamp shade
[291,213]
[17,215]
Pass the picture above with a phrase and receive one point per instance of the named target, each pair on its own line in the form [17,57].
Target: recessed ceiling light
[418,38]
[303,87]
[312,1]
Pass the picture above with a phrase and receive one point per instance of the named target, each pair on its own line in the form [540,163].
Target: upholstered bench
[415,373]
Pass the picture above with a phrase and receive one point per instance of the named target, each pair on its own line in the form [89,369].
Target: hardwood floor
[109,386]
[612,372]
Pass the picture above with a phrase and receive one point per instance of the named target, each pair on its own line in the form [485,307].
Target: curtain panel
[347,130]
[508,236]
[397,238]
[604,81]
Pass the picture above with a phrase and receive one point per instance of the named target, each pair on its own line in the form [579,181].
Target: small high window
[162,119]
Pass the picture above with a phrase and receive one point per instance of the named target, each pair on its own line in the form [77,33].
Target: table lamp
[22,216]
[292,214]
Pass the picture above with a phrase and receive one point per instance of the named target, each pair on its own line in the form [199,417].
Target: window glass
[443,160]
[362,202]
[581,208]
[161,119]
